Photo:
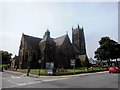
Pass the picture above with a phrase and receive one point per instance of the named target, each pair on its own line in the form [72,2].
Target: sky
[98,19]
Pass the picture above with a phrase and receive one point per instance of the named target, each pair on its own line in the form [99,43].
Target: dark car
[114,70]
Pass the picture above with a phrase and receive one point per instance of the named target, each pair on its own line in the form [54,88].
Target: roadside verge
[63,76]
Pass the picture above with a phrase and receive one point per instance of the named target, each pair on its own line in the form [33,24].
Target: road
[97,80]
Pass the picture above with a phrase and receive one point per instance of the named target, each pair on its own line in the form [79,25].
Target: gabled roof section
[33,41]
[83,57]
[46,39]
[59,41]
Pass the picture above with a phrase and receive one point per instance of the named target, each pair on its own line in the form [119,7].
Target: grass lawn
[36,71]
[4,65]
[64,71]
[81,70]
[33,71]
[76,70]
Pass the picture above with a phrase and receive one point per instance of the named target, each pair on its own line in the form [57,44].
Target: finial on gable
[66,32]
[47,30]
[22,34]
[78,26]
[47,33]
[72,29]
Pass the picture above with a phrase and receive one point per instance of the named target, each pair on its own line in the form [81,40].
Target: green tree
[109,49]
[115,54]
[102,53]
[6,56]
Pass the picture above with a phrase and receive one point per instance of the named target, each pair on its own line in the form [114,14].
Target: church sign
[39,61]
[72,62]
[49,71]
[49,67]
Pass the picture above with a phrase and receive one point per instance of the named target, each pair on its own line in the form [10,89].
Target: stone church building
[36,52]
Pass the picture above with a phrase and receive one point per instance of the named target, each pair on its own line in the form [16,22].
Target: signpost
[39,61]
[73,64]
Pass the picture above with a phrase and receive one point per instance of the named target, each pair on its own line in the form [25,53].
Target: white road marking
[22,84]
[15,77]
[48,80]
[29,83]
[4,78]
[34,82]
[12,82]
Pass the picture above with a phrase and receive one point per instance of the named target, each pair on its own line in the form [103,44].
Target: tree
[6,56]
[102,53]
[115,54]
[109,49]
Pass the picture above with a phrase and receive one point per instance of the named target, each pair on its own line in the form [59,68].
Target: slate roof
[33,41]
[75,48]
[46,39]
[59,41]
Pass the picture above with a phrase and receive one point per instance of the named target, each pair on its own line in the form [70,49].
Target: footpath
[63,76]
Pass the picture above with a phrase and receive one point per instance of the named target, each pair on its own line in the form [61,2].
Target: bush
[4,66]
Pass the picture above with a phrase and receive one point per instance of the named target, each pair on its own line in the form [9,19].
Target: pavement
[63,76]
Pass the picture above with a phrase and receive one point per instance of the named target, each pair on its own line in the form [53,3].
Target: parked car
[114,70]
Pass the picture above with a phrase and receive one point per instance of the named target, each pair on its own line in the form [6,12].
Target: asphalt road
[99,80]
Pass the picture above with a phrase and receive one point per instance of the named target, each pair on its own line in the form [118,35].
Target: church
[36,52]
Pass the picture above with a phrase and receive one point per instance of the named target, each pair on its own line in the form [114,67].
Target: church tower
[78,39]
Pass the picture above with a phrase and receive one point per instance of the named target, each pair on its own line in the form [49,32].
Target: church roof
[33,41]
[46,39]
[60,40]
[75,48]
